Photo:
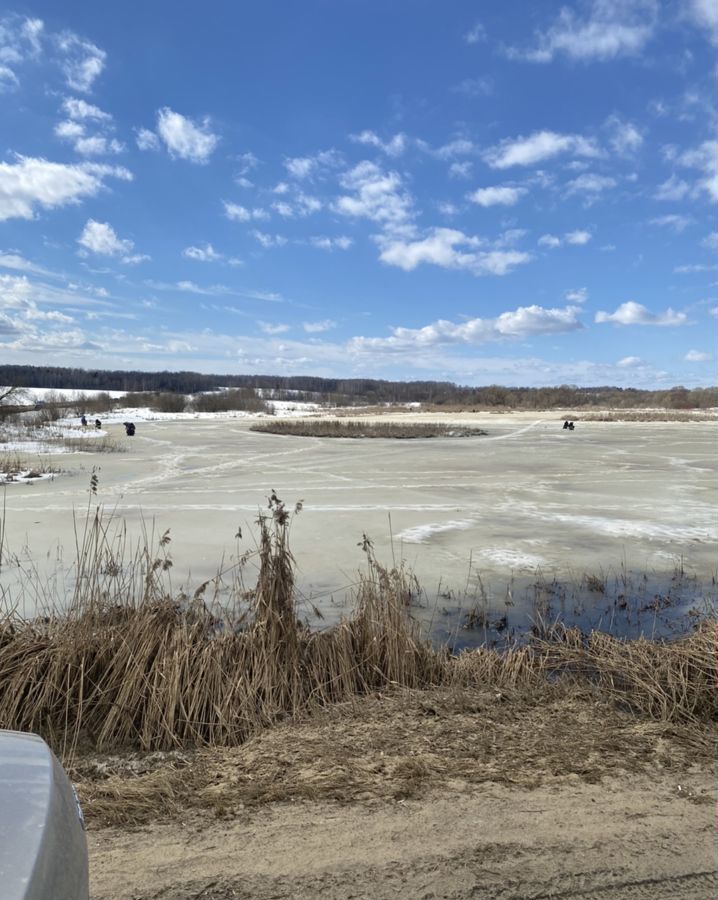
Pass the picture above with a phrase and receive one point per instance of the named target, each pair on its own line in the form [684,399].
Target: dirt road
[629,838]
[429,795]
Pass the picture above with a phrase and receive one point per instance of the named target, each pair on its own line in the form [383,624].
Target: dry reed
[130,665]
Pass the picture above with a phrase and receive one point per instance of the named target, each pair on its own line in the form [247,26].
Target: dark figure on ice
[83,420]
[98,424]
[129,428]
[570,425]
[565,425]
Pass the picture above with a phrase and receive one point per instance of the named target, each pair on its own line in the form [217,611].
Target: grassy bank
[130,665]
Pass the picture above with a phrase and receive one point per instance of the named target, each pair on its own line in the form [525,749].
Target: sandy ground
[528,497]
[426,795]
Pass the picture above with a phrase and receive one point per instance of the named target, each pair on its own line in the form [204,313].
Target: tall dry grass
[131,664]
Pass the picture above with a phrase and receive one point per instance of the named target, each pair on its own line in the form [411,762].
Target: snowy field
[528,498]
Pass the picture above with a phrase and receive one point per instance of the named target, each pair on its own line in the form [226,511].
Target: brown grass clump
[130,665]
[329,428]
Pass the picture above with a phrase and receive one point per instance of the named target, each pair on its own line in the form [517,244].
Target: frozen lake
[529,497]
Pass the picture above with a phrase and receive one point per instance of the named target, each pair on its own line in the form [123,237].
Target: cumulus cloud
[375,195]
[395,146]
[523,322]
[578,237]
[101,238]
[87,144]
[184,138]
[79,109]
[549,240]
[625,137]
[268,240]
[82,62]
[705,159]
[31,182]
[331,243]
[301,167]
[672,189]
[301,205]
[450,249]
[631,313]
[537,147]
[497,196]
[590,185]
[237,213]
[601,31]
[629,362]
[147,140]
[577,295]
[202,254]
[698,356]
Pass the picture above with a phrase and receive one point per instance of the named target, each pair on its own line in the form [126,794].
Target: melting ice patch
[420,534]
[512,559]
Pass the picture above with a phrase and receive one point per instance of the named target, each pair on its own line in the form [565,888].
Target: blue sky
[497,192]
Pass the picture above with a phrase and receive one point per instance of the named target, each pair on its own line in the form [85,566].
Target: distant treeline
[359,391]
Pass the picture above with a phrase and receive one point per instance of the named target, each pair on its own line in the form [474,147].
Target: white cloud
[672,189]
[590,184]
[549,240]
[79,109]
[704,158]
[441,248]
[81,61]
[461,169]
[497,196]
[237,213]
[698,356]
[631,313]
[629,362]
[268,240]
[704,13]
[541,145]
[331,243]
[202,254]
[185,139]
[526,321]
[675,222]
[317,327]
[100,238]
[625,137]
[87,145]
[301,167]
[147,140]
[578,295]
[270,328]
[578,238]
[395,146]
[377,195]
[606,30]
[711,241]
[452,149]
[476,34]
[31,182]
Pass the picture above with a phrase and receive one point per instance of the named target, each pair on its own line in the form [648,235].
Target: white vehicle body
[43,850]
